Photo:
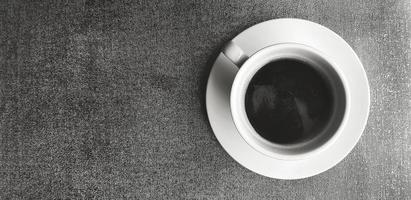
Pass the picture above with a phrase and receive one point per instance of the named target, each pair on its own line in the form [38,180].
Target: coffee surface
[288,101]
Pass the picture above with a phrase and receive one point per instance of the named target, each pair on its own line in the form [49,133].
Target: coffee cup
[288,101]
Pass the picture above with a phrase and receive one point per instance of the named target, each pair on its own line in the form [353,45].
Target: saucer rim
[272,167]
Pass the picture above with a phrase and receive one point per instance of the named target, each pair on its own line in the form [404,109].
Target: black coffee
[288,101]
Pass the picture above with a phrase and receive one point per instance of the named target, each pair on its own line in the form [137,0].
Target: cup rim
[240,84]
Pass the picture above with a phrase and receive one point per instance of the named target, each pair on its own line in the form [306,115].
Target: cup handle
[235,54]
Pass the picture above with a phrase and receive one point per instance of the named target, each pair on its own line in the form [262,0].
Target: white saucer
[283,31]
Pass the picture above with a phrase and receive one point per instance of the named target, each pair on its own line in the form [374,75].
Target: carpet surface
[105,100]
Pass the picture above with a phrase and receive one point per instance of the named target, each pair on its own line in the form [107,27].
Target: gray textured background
[105,99]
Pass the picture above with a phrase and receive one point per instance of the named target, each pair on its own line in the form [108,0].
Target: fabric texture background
[106,100]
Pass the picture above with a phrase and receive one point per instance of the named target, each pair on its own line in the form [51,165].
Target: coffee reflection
[288,101]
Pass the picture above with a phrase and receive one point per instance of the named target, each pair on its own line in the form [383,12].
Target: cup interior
[325,68]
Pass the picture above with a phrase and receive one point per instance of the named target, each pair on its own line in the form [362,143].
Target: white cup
[249,65]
